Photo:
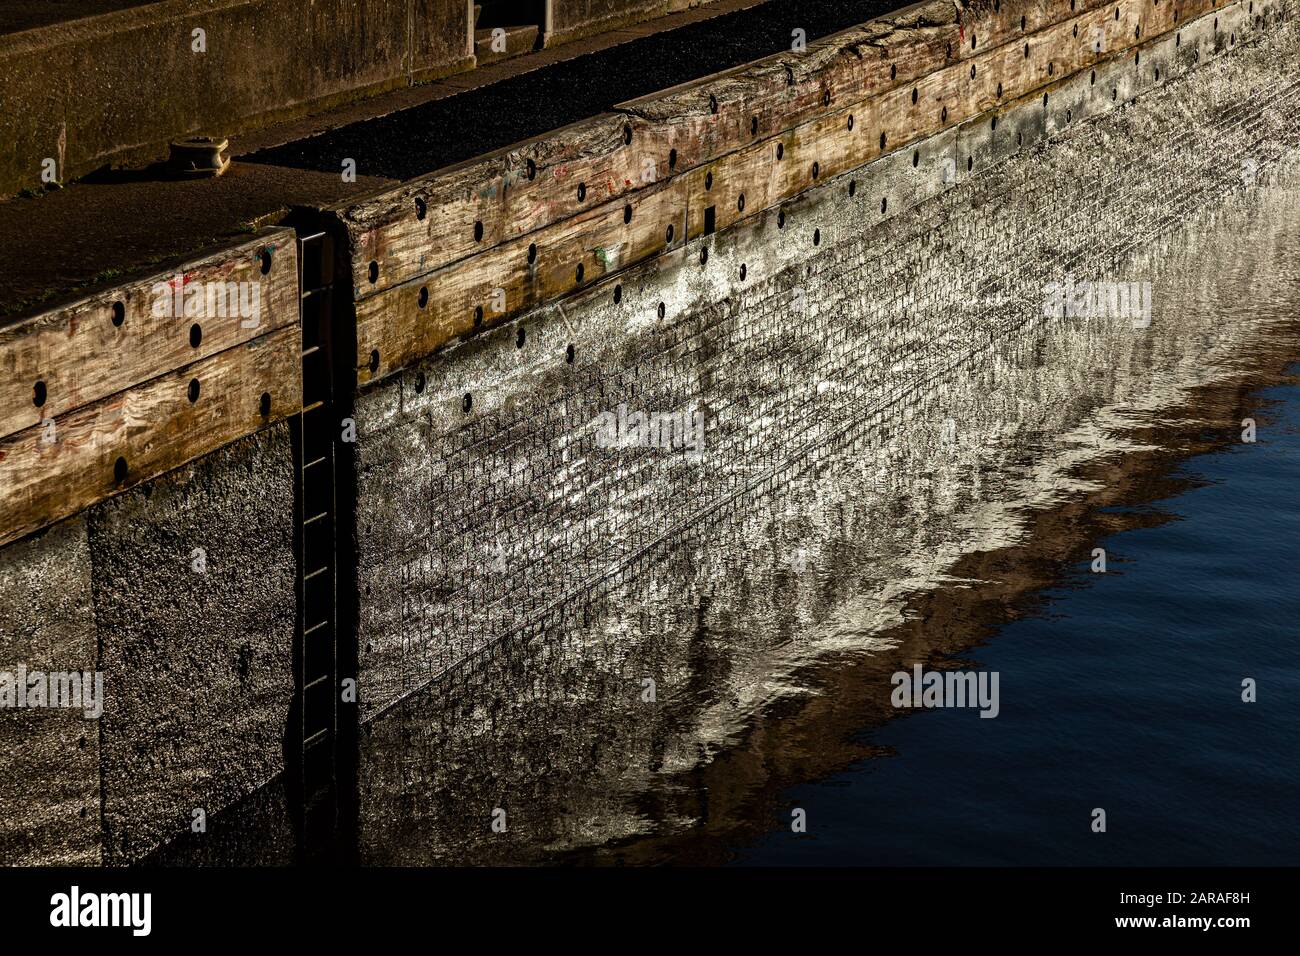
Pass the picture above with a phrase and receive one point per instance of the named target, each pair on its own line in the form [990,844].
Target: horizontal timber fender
[451,214]
[131,382]
[446,255]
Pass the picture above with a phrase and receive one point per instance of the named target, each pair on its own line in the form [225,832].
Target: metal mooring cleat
[199,156]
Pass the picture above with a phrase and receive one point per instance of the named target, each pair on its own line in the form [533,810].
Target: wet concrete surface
[422,139]
[772,640]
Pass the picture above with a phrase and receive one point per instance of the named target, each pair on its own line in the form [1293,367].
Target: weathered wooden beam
[404,322]
[71,356]
[422,225]
[409,321]
[774,169]
[461,211]
[707,118]
[82,456]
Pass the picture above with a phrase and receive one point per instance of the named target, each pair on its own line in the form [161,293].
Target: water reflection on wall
[770,638]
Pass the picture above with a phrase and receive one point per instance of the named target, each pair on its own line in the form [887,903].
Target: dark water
[963,539]
[1120,691]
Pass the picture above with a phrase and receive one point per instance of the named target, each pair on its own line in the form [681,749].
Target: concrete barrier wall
[180,593]
[488,508]
[122,85]
[197,663]
[49,792]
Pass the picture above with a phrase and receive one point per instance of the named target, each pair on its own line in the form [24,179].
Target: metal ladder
[316,751]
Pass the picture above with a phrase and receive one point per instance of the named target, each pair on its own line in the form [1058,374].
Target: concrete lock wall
[120,86]
[147,548]
[195,656]
[488,507]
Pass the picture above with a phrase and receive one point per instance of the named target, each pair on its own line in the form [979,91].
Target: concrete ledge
[575,19]
[120,86]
